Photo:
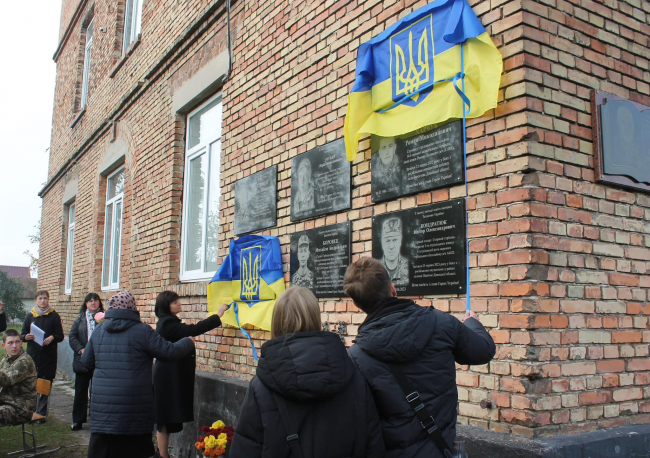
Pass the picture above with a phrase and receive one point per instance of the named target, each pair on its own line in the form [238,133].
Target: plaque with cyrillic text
[256,201]
[422,162]
[319,258]
[423,248]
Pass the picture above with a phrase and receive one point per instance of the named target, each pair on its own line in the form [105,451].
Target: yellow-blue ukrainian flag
[250,279]
[404,75]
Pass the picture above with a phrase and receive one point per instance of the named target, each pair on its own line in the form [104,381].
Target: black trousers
[80,406]
[120,446]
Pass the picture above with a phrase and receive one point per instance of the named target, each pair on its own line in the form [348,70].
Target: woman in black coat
[45,356]
[328,404]
[80,333]
[121,352]
[174,381]
[3,318]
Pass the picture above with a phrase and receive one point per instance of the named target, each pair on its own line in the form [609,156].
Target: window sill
[110,289]
[79,116]
[125,56]
[196,279]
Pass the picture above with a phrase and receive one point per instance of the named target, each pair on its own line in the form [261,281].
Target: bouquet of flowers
[213,439]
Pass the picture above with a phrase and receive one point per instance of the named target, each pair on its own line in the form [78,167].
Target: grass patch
[54,434]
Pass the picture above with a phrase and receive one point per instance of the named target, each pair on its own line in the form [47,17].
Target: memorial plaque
[423,248]
[430,160]
[320,181]
[319,258]
[256,201]
[623,141]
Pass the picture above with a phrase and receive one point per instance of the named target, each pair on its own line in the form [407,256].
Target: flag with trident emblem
[250,279]
[408,76]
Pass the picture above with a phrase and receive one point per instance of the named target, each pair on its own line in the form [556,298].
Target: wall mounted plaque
[421,162]
[621,131]
[319,258]
[320,181]
[256,201]
[423,248]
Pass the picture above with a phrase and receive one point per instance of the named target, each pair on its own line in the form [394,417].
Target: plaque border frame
[275,199]
[600,176]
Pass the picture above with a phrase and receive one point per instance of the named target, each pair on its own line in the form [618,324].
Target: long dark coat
[78,339]
[174,381]
[426,343]
[121,352]
[330,405]
[44,357]
[3,322]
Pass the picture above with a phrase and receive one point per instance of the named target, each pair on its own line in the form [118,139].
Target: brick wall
[558,261]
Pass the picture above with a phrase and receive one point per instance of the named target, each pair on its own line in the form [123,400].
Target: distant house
[22,276]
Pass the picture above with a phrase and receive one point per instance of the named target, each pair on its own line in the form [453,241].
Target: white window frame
[132,23]
[197,150]
[118,198]
[69,259]
[86,70]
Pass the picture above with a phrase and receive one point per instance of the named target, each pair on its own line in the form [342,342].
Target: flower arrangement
[213,439]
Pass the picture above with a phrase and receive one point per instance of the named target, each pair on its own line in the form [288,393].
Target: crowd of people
[392,394]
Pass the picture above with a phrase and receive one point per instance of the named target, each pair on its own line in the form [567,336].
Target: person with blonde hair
[307,399]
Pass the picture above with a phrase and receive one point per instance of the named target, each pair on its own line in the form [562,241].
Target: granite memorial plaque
[423,248]
[319,258]
[256,201]
[320,181]
[429,160]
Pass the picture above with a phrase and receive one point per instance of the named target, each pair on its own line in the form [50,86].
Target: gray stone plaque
[423,248]
[421,162]
[319,258]
[320,181]
[256,201]
[626,140]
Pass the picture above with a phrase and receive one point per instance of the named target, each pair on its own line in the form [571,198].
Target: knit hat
[122,300]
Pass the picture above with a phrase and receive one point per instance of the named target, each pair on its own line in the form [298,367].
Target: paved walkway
[61,407]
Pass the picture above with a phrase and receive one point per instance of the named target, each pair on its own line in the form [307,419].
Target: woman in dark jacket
[3,318]
[328,404]
[121,352]
[80,333]
[44,356]
[174,380]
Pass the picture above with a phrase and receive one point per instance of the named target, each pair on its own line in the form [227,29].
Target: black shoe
[41,421]
[76,426]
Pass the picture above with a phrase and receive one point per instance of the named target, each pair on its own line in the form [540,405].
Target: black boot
[76,426]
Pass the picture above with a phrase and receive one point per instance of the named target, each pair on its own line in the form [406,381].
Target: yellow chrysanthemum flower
[222,442]
[223,436]
[210,442]
[218,424]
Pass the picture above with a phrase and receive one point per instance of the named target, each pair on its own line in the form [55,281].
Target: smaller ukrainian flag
[407,76]
[250,279]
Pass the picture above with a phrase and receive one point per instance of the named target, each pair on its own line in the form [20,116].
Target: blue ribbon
[243,331]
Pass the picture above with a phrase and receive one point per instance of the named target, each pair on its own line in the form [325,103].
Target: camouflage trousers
[10,416]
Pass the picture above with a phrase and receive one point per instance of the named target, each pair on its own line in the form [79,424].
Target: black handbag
[427,421]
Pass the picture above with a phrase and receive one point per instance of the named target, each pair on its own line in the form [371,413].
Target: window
[202,192]
[113,230]
[69,250]
[86,71]
[132,22]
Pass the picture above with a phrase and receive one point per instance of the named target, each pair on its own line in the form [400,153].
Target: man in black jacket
[425,344]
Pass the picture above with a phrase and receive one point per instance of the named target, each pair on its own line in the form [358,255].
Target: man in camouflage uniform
[391,244]
[17,382]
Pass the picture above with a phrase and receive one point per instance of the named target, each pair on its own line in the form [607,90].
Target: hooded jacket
[329,403]
[426,344]
[121,352]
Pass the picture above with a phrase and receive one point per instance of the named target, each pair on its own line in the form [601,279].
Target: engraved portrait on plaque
[256,201]
[423,248]
[320,181]
[319,258]
[415,163]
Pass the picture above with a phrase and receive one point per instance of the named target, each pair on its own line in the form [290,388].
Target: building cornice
[68,31]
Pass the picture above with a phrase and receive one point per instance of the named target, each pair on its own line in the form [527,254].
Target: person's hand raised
[222,310]
[469,314]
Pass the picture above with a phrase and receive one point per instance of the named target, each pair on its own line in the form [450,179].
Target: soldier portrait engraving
[386,171]
[304,276]
[256,201]
[305,196]
[396,264]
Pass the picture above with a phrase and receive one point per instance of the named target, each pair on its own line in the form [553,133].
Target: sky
[27,78]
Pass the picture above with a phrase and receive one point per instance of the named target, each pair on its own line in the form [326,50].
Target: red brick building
[560,264]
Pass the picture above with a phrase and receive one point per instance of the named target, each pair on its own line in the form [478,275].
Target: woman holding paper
[80,333]
[48,327]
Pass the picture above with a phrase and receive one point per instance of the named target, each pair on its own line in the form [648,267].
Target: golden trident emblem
[410,79]
[250,274]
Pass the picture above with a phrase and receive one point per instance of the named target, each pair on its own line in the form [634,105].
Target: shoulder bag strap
[292,437]
[426,419]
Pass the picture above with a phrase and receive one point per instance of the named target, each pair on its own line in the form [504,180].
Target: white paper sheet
[39,334]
